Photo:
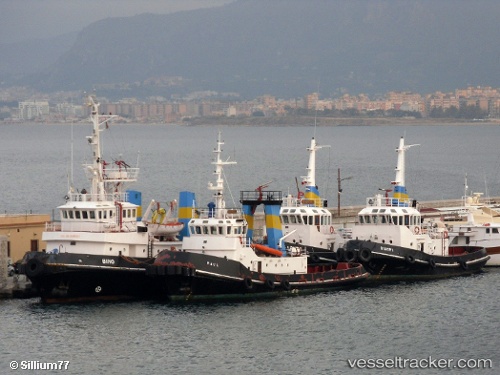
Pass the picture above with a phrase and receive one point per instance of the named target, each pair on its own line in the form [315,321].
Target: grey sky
[29,19]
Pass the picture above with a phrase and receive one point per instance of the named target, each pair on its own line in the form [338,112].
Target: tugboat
[393,241]
[306,220]
[99,250]
[219,261]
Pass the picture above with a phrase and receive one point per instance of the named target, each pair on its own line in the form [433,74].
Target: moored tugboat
[218,261]
[394,242]
[99,250]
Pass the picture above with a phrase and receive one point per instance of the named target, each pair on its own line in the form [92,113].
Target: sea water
[430,327]
[39,162]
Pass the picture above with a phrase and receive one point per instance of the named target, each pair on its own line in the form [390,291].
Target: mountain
[290,47]
[32,56]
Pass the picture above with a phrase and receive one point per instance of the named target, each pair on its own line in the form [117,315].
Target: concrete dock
[16,286]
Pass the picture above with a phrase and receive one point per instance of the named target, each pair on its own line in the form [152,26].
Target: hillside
[290,47]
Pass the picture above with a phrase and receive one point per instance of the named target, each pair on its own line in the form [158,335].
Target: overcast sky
[29,19]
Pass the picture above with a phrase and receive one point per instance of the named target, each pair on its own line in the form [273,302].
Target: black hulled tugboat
[217,260]
[99,250]
[393,241]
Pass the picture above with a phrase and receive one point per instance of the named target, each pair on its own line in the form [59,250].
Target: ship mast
[400,184]
[96,169]
[310,180]
[218,188]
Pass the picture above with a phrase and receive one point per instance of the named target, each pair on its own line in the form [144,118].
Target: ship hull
[69,278]
[389,262]
[184,276]
[492,251]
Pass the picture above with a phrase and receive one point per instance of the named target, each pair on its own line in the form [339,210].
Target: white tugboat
[392,240]
[99,249]
[217,260]
[306,220]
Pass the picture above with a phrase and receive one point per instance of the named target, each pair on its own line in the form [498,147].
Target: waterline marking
[414,363]
[37,365]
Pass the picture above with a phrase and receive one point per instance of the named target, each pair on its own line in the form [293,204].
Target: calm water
[36,160]
[447,319]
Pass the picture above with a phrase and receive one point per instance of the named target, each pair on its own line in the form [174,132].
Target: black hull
[184,276]
[389,262]
[68,278]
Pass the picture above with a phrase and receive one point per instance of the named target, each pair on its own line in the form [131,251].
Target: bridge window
[494,230]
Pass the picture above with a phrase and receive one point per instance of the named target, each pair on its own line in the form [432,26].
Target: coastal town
[473,103]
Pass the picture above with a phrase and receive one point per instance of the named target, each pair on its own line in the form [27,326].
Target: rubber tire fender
[350,256]
[365,255]
[34,267]
[410,259]
[340,254]
[285,284]
[248,282]
[269,284]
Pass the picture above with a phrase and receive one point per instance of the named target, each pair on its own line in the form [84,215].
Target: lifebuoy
[332,230]
[34,267]
[247,281]
[285,284]
[416,230]
[365,255]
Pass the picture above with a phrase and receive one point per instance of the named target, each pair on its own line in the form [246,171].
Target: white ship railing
[85,197]
[223,213]
[296,202]
[112,174]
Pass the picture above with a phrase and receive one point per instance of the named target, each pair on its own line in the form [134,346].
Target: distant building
[31,110]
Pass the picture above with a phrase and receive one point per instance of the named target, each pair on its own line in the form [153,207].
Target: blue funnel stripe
[312,193]
[248,212]
[187,201]
[400,196]
[273,225]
